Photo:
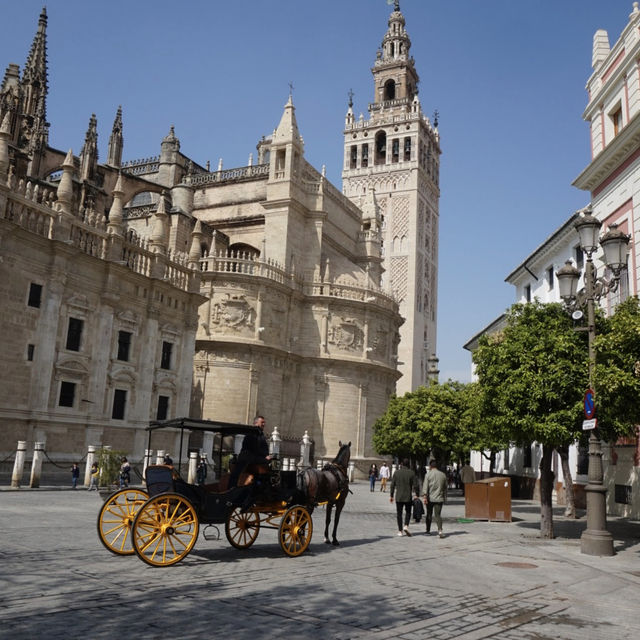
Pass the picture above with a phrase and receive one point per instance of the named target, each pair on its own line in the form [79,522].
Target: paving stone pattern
[58,581]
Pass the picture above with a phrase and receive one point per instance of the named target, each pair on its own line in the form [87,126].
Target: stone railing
[141,211]
[35,210]
[244,264]
[346,291]
[231,175]
[142,166]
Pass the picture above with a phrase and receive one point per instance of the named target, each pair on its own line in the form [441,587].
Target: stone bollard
[160,456]
[36,465]
[292,464]
[319,464]
[91,458]
[193,465]
[274,443]
[18,465]
[106,448]
[148,453]
[305,451]
[352,466]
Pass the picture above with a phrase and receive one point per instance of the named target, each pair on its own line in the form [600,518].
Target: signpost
[589,411]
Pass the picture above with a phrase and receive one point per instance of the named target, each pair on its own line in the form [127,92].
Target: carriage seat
[222,485]
[159,479]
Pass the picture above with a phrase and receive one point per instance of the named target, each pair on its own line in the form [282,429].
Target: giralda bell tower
[396,153]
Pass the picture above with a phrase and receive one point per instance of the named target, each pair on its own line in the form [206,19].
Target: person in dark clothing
[201,471]
[418,509]
[255,450]
[403,484]
[75,474]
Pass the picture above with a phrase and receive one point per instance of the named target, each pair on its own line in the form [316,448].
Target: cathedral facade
[158,288]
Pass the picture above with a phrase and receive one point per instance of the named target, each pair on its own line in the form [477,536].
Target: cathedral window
[124,345]
[67,394]
[74,334]
[381,147]
[395,150]
[353,163]
[365,155]
[35,295]
[165,359]
[407,149]
[119,403]
[163,408]
[280,158]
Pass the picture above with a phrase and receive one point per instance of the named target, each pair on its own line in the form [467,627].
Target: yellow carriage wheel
[242,528]
[165,530]
[116,518]
[295,531]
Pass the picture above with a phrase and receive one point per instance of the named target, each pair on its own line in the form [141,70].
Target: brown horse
[330,485]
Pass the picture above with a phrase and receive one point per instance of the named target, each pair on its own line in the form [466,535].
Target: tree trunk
[570,499]
[546,493]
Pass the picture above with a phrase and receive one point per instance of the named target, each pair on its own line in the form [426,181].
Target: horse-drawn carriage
[161,524]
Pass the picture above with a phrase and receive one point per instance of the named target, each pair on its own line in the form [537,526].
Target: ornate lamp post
[595,540]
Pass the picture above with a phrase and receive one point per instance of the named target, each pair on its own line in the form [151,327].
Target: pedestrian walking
[95,472]
[384,477]
[75,474]
[373,476]
[125,473]
[434,490]
[403,483]
[467,476]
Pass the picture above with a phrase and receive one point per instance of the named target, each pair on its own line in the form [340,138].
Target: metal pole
[595,540]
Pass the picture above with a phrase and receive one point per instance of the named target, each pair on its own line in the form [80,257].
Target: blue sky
[507,77]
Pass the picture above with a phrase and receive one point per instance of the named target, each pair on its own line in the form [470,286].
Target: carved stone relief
[233,312]
[347,334]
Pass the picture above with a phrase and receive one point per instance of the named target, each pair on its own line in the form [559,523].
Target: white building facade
[613,180]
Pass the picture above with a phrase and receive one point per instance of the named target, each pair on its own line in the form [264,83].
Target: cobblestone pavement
[483,580]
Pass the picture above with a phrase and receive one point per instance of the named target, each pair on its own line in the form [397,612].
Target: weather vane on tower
[395,3]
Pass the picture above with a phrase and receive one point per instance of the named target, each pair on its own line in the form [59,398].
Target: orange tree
[531,380]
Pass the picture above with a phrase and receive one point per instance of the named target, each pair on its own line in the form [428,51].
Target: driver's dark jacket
[254,450]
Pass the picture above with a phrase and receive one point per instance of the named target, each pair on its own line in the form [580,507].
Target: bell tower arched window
[381,147]
[390,90]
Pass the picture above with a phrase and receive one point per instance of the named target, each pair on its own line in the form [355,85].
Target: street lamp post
[595,540]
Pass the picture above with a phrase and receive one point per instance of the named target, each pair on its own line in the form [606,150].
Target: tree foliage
[436,418]
[617,374]
[531,380]
[532,376]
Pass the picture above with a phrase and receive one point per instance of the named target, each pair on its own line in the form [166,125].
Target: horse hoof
[335,543]
[327,541]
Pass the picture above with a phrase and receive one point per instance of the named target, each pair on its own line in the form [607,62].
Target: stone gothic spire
[116,141]
[89,153]
[287,131]
[34,76]
[10,93]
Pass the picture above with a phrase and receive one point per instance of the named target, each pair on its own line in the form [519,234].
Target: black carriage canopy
[194,424]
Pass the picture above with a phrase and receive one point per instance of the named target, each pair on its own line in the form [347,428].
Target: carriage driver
[255,450]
